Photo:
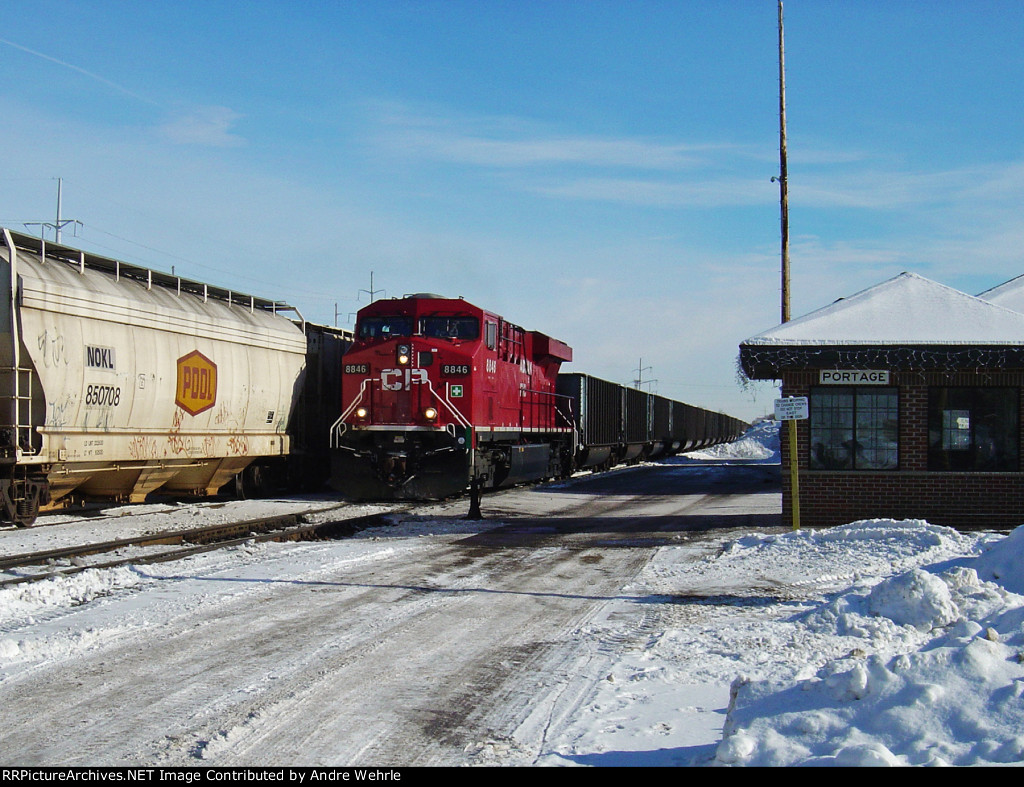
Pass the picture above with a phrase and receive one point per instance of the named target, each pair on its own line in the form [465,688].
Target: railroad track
[283,527]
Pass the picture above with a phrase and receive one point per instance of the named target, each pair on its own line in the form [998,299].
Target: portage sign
[196,391]
[853,377]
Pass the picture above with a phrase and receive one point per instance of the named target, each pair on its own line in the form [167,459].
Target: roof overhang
[769,361]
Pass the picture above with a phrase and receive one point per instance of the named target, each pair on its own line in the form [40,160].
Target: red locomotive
[439,395]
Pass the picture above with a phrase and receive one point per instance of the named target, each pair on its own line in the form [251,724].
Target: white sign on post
[792,408]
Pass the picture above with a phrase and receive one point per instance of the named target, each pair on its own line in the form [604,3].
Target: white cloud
[509,142]
[209,126]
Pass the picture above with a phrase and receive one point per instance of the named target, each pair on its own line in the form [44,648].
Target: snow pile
[760,442]
[33,599]
[951,697]
[879,642]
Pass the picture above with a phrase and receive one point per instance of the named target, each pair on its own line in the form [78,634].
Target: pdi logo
[197,383]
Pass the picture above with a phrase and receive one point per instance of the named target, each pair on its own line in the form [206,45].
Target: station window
[973,429]
[854,428]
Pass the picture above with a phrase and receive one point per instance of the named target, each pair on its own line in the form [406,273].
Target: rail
[283,527]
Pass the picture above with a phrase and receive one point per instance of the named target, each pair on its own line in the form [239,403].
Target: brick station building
[914,393]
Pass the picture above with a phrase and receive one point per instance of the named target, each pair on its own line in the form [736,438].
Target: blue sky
[600,171]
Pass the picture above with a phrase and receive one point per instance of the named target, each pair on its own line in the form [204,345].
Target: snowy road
[436,642]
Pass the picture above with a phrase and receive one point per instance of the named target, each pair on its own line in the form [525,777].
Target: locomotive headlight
[361,412]
[430,413]
[404,352]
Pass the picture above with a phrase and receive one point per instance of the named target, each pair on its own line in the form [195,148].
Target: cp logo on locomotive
[196,391]
[402,379]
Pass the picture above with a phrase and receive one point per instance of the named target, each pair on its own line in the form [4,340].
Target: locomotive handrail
[569,423]
[339,427]
[572,422]
[532,405]
[454,410]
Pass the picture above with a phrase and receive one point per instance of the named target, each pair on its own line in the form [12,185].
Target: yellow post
[794,474]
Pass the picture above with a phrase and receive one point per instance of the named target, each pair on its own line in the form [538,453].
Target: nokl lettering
[100,358]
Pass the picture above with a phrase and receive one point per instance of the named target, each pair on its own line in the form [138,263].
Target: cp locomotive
[440,395]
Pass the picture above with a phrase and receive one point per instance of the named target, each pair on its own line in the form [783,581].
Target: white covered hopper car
[118,381]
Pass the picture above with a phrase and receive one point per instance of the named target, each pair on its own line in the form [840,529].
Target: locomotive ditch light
[430,413]
[404,353]
[361,413]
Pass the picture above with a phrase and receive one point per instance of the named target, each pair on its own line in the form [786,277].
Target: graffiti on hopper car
[51,345]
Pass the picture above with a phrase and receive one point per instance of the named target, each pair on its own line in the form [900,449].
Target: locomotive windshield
[384,327]
[465,328]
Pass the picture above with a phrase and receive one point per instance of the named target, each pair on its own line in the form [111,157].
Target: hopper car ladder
[17,408]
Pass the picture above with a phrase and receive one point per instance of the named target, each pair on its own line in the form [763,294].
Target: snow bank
[953,697]
[759,443]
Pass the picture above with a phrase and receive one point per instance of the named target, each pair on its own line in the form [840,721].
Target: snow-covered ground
[877,643]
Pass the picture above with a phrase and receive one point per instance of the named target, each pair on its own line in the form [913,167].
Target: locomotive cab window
[384,327]
[461,328]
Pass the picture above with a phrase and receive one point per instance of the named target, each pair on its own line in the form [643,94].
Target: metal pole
[794,475]
[794,459]
[60,183]
[783,171]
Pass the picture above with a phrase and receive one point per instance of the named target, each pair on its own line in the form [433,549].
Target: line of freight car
[117,381]
[440,395]
[617,424]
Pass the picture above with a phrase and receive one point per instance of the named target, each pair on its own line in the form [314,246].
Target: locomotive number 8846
[438,393]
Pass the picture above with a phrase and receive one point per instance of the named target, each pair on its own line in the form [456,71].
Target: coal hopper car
[616,424]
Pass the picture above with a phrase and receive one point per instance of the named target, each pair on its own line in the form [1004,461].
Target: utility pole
[791,434]
[783,178]
[371,292]
[640,381]
[60,223]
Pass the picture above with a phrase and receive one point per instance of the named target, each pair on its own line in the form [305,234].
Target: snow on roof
[1009,295]
[905,310]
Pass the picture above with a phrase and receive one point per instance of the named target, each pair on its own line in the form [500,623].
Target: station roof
[1009,294]
[905,322]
